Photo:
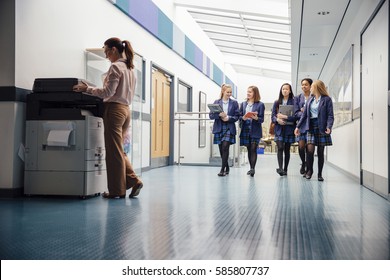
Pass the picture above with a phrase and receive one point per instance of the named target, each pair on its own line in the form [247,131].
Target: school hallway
[189,213]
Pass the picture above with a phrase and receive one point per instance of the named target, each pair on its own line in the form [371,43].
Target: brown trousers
[120,173]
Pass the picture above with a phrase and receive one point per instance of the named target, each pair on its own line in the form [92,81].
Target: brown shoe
[108,195]
[135,190]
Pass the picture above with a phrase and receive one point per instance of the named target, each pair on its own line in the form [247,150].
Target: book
[215,108]
[287,110]
[249,115]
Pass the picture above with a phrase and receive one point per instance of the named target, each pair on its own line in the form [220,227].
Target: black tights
[283,147]
[224,152]
[252,154]
[302,150]
[310,158]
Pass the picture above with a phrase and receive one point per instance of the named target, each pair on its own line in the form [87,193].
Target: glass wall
[96,67]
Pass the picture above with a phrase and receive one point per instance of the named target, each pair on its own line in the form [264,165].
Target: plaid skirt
[224,135]
[314,136]
[302,136]
[245,136]
[285,138]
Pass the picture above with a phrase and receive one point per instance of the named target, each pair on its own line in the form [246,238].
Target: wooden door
[161,89]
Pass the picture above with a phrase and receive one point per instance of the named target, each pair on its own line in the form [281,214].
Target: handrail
[191,119]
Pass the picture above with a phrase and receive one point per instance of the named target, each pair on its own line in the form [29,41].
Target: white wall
[51,37]
[345,152]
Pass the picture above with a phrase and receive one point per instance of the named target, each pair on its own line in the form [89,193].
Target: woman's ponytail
[129,54]
[122,46]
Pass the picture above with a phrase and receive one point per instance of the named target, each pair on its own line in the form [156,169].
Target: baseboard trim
[11,193]
[350,175]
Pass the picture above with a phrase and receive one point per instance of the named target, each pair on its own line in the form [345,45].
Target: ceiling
[315,25]
[253,39]
[285,39]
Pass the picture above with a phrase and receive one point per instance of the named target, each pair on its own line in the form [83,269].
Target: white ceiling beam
[248,7]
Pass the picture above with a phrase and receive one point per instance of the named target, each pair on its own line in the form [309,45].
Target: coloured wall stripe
[152,19]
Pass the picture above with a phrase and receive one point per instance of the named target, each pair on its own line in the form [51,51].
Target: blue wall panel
[217,75]
[189,51]
[165,29]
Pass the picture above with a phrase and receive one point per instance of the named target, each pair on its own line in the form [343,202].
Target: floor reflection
[188,212]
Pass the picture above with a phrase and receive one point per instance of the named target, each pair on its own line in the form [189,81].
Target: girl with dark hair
[251,118]
[300,102]
[284,127]
[117,93]
[224,129]
[317,120]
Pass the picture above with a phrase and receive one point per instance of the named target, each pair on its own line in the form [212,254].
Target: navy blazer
[233,114]
[256,129]
[325,115]
[299,103]
[288,129]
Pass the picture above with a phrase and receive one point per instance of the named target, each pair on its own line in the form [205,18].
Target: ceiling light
[313,54]
[323,13]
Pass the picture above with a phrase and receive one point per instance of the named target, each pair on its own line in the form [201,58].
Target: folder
[287,110]
[215,108]
[250,114]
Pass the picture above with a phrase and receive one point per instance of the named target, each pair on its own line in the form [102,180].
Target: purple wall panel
[198,59]
[146,14]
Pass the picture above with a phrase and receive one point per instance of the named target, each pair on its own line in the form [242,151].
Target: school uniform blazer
[325,115]
[299,102]
[256,129]
[233,114]
[289,129]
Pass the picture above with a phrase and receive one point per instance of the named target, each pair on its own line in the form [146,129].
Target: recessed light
[323,13]
[313,54]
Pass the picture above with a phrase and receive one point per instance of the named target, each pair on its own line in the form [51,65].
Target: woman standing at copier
[117,92]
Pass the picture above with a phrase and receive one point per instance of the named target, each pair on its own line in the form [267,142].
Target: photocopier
[64,151]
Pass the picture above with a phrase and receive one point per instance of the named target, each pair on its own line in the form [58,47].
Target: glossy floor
[188,212]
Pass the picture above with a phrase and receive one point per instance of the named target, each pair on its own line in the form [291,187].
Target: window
[184,98]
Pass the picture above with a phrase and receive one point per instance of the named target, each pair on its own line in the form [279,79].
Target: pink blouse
[118,85]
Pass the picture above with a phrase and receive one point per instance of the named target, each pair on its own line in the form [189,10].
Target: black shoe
[221,174]
[280,171]
[252,172]
[249,172]
[320,178]
[303,168]
[308,175]
[284,173]
[227,170]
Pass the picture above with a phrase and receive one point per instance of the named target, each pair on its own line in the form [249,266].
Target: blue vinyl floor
[188,212]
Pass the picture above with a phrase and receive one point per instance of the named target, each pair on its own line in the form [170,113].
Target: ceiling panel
[238,30]
[272,43]
[220,42]
[263,34]
[226,36]
[207,16]
[318,36]
[254,34]
[273,50]
[315,24]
